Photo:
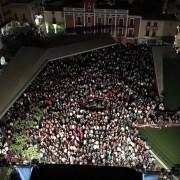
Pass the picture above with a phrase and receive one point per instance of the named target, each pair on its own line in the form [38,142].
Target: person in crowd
[90,103]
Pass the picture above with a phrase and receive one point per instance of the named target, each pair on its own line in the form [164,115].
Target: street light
[3,61]
[177,40]
[47,27]
[38,19]
[55,28]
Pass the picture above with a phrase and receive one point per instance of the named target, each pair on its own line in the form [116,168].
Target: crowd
[90,103]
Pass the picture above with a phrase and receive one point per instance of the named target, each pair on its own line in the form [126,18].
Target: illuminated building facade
[88,19]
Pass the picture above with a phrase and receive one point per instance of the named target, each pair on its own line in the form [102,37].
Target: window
[89,7]
[89,20]
[15,16]
[154,33]
[121,22]
[148,23]
[24,17]
[99,20]
[155,24]
[131,22]
[110,21]
[54,20]
[130,33]
[109,29]
[78,21]
[147,32]
[120,33]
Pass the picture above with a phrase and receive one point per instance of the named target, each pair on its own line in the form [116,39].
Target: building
[177,40]
[15,13]
[173,7]
[89,16]
[158,28]
[53,16]
[4,11]
[21,12]
[89,19]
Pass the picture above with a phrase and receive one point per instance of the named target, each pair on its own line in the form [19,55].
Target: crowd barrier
[161,125]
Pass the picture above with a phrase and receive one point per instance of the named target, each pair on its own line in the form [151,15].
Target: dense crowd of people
[90,105]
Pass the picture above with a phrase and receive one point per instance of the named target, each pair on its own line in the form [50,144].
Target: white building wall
[159,31]
[59,15]
[165,28]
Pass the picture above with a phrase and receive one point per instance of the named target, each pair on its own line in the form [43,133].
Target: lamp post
[55,28]
[38,22]
[3,61]
[177,40]
[47,27]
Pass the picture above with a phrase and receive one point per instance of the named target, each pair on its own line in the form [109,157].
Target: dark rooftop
[56,5]
[118,5]
[21,1]
[159,16]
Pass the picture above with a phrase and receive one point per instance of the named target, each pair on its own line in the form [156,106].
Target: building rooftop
[54,5]
[58,5]
[119,5]
[73,3]
[21,1]
[167,17]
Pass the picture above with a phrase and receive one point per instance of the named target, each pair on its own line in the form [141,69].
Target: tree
[31,153]
[19,144]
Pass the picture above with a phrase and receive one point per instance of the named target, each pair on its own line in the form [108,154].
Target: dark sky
[139,6]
